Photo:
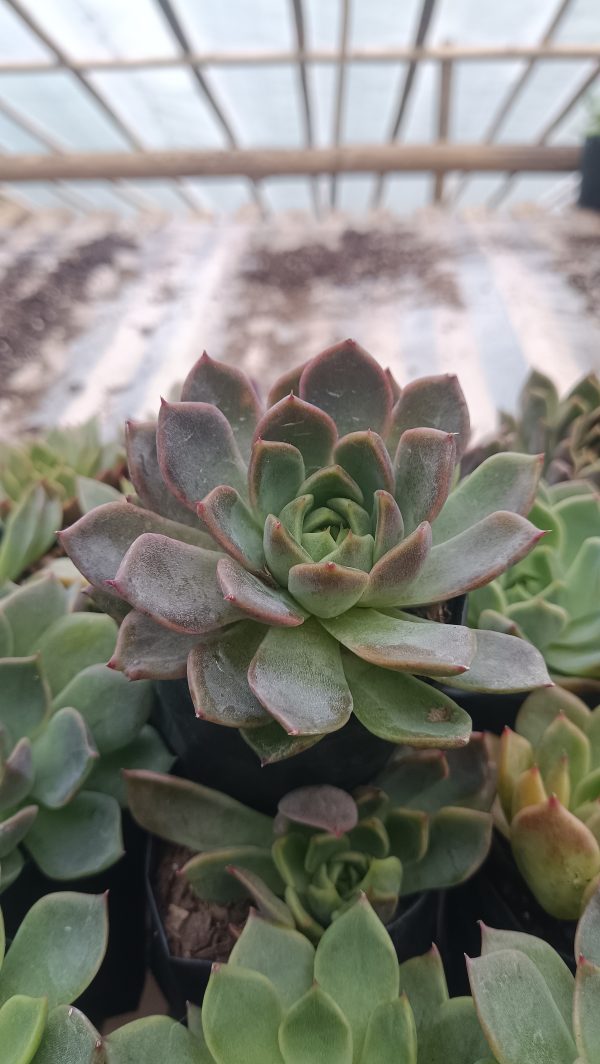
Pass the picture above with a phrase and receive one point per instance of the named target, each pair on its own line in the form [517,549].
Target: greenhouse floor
[104,314]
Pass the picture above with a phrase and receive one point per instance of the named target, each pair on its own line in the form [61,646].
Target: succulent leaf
[275,476]
[227,388]
[145,649]
[349,385]
[204,434]
[146,477]
[304,426]
[424,468]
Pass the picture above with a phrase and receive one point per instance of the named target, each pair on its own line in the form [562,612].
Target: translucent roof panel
[163,105]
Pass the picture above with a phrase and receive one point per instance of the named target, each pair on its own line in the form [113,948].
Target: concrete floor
[100,314]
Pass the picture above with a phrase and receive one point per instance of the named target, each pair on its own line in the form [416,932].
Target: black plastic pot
[118,985]
[182,980]
[218,757]
[498,896]
[589,192]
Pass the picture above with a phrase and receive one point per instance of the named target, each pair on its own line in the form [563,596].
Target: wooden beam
[270,57]
[265,162]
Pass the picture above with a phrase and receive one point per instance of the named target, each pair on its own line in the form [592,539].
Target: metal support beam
[340,90]
[445,99]
[306,108]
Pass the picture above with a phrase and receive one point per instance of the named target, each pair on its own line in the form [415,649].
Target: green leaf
[254,1001]
[63,756]
[537,834]
[297,675]
[587,936]
[329,483]
[92,493]
[227,388]
[73,643]
[459,841]
[30,610]
[210,876]
[58,948]
[233,526]
[502,482]
[408,833]
[6,638]
[217,676]
[148,650]
[388,523]
[355,551]
[304,426]
[287,382]
[192,815]
[455,1036]
[516,1010]
[391,1035]
[281,550]
[146,751]
[431,402]
[350,386]
[424,467]
[154,1040]
[320,806]
[423,981]
[315,1029]
[275,474]
[586,1017]
[271,743]
[14,829]
[397,568]
[197,451]
[472,558]
[401,709]
[284,956]
[553,969]
[22,1021]
[541,622]
[82,838]
[11,868]
[29,531]
[579,515]
[407,645]
[113,709]
[261,602]
[70,1038]
[563,738]
[174,582]
[142,463]
[99,541]
[364,456]
[326,589]
[409,776]
[502,663]
[357,942]
[268,904]
[24,698]
[17,775]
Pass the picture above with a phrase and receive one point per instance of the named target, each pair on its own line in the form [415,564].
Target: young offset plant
[551,597]
[530,1006]
[549,789]
[283,553]
[44,483]
[424,824]
[566,431]
[53,957]
[281,1001]
[68,725]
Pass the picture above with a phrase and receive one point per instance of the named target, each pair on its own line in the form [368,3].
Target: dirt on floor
[195,929]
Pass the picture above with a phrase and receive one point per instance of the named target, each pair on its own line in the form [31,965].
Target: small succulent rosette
[292,561]
[549,791]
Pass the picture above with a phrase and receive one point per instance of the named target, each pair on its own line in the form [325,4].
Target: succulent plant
[424,824]
[280,1001]
[549,790]
[531,1008]
[565,431]
[551,597]
[283,554]
[68,725]
[47,482]
[53,957]
[58,460]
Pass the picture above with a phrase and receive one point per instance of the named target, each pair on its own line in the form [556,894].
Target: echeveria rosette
[68,725]
[277,553]
[551,596]
[423,824]
[280,1000]
[529,1004]
[549,791]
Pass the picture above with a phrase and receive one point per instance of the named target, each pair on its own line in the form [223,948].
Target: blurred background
[264,177]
